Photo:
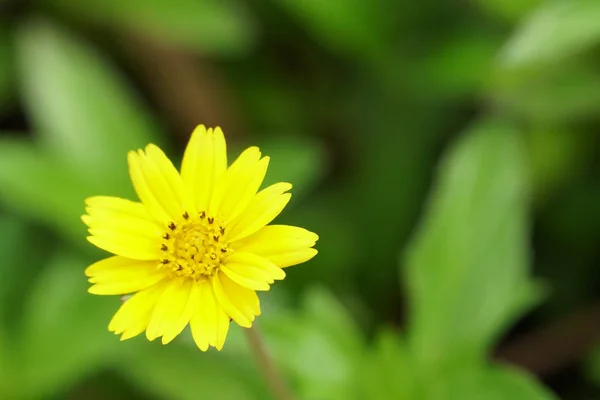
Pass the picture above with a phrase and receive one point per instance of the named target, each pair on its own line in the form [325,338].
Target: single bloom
[197,247]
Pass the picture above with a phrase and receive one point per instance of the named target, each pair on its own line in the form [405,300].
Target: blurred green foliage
[445,152]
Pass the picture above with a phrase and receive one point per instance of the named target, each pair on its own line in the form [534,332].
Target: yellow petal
[252,271]
[285,260]
[132,284]
[125,244]
[180,197]
[135,329]
[144,189]
[204,162]
[120,269]
[178,317]
[109,264]
[209,323]
[134,315]
[238,184]
[263,208]
[276,239]
[106,211]
[123,227]
[281,244]
[246,277]
[241,275]
[168,308]
[157,184]
[239,303]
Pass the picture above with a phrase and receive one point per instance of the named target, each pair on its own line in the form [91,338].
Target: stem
[276,384]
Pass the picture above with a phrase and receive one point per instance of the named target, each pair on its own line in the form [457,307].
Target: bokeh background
[445,151]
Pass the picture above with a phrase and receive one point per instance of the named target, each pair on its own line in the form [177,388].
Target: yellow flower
[196,248]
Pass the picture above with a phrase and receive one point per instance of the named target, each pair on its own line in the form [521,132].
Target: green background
[446,152]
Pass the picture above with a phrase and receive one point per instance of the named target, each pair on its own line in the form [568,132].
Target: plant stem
[275,381]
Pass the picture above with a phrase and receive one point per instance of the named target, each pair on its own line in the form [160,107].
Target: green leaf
[557,157]
[386,370]
[42,188]
[460,65]
[556,95]
[6,367]
[508,10]
[592,365]
[555,30]
[7,68]
[184,373]
[20,266]
[391,170]
[318,346]
[84,110]
[64,335]
[356,27]
[221,27]
[323,309]
[297,160]
[338,240]
[498,383]
[467,265]
[14,243]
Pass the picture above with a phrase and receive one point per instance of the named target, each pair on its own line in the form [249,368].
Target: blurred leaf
[509,10]
[356,27]
[209,26]
[6,367]
[323,309]
[177,372]
[592,365]
[392,163]
[65,335]
[564,94]
[338,243]
[298,160]
[555,30]
[461,65]
[498,383]
[84,110]
[19,266]
[7,68]
[318,347]
[467,265]
[571,226]
[557,156]
[270,98]
[41,188]
[386,371]
[14,242]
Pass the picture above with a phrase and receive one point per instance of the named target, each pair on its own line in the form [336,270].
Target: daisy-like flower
[197,246]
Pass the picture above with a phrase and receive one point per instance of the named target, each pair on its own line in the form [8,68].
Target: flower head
[197,246]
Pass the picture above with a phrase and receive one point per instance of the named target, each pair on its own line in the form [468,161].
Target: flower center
[194,247]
